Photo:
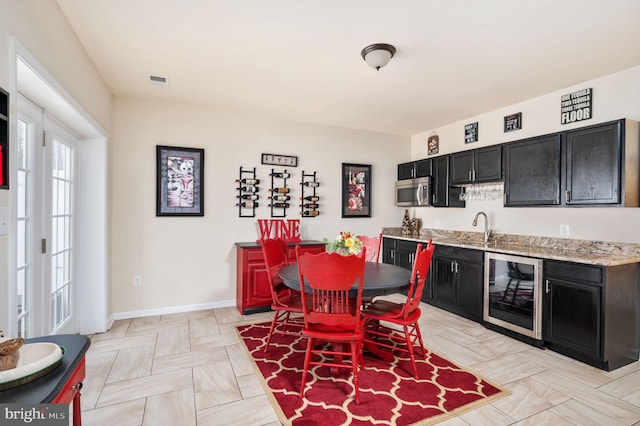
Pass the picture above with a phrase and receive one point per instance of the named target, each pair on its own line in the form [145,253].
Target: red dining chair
[404,314]
[373,245]
[330,314]
[284,301]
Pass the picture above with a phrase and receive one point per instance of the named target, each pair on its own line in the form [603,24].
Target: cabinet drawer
[573,272]
[469,255]
[406,245]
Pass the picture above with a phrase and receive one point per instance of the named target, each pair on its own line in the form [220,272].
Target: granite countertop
[602,253]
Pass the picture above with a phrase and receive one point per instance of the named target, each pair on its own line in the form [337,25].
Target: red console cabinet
[252,285]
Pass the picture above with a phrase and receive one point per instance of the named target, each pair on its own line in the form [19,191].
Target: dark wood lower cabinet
[591,313]
[457,277]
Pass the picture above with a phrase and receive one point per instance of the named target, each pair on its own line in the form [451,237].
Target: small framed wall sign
[576,106]
[179,181]
[471,132]
[433,144]
[280,160]
[513,122]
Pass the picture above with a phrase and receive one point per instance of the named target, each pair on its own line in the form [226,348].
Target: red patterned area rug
[389,395]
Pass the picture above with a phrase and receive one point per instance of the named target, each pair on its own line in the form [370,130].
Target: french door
[44,266]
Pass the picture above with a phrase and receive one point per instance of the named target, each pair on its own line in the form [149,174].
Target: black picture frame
[179,181]
[471,133]
[512,122]
[356,190]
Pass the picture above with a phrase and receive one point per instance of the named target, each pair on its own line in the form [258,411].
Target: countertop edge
[598,259]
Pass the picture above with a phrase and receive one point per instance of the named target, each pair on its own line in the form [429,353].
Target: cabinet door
[444,195]
[470,288]
[388,251]
[444,286]
[423,168]
[593,158]
[532,172]
[488,164]
[405,253]
[573,316]
[257,282]
[405,171]
[461,167]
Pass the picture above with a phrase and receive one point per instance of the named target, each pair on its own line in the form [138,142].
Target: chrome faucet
[487,231]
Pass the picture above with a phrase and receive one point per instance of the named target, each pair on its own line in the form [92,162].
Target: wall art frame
[356,190]
[179,181]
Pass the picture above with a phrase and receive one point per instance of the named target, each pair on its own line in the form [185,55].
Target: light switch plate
[4,220]
[564,230]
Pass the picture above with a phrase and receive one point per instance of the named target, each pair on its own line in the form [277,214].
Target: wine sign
[513,122]
[289,229]
[471,132]
[576,106]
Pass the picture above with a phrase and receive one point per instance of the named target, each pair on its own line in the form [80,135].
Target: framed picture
[512,122]
[179,181]
[280,160]
[356,190]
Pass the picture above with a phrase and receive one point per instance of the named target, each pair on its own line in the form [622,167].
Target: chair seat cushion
[385,310]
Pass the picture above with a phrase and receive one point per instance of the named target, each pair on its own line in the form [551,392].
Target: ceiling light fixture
[378,55]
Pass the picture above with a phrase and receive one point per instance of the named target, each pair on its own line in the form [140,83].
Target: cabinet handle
[470,178]
[546,286]
[393,254]
[474,175]
[457,267]
[567,195]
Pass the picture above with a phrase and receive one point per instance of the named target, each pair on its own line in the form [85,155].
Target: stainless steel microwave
[413,192]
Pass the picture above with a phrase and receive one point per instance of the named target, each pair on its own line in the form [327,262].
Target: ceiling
[300,60]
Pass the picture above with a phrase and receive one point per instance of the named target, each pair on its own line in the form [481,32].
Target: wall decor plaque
[471,132]
[433,144]
[280,160]
[512,122]
[576,106]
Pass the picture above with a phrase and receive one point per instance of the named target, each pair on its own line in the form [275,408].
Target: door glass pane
[61,232]
[23,229]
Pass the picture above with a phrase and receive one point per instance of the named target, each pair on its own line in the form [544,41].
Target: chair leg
[419,334]
[273,326]
[407,336]
[355,357]
[307,360]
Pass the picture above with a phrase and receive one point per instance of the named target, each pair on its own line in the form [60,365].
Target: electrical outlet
[137,280]
[564,230]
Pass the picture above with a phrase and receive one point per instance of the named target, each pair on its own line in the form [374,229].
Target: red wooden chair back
[418,278]
[331,277]
[275,258]
[372,245]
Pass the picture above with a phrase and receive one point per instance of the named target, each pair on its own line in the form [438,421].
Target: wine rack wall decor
[309,199]
[247,193]
[280,193]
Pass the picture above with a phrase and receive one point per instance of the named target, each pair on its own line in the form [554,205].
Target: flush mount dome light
[378,55]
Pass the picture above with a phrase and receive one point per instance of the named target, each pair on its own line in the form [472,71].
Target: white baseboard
[170,310]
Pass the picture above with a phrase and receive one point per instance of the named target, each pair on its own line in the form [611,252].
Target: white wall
[614,96]
[188,261]
[42,30]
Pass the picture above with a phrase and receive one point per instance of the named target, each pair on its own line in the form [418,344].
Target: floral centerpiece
[345,243]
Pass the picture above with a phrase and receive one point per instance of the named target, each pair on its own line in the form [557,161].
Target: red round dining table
[379,278]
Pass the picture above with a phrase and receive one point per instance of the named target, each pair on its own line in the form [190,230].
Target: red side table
[62,385]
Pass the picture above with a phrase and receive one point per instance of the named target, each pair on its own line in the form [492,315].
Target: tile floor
[190,369]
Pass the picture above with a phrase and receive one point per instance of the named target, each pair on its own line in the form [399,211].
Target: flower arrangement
[345,243]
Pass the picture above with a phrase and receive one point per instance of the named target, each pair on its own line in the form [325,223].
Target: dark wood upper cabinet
[444,195]
[532,172]
[478,165]
[601,164]
[406,170]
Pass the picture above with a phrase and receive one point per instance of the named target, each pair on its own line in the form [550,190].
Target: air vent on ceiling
[159,81]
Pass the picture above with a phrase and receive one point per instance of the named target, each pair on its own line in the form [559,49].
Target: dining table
[379,279]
